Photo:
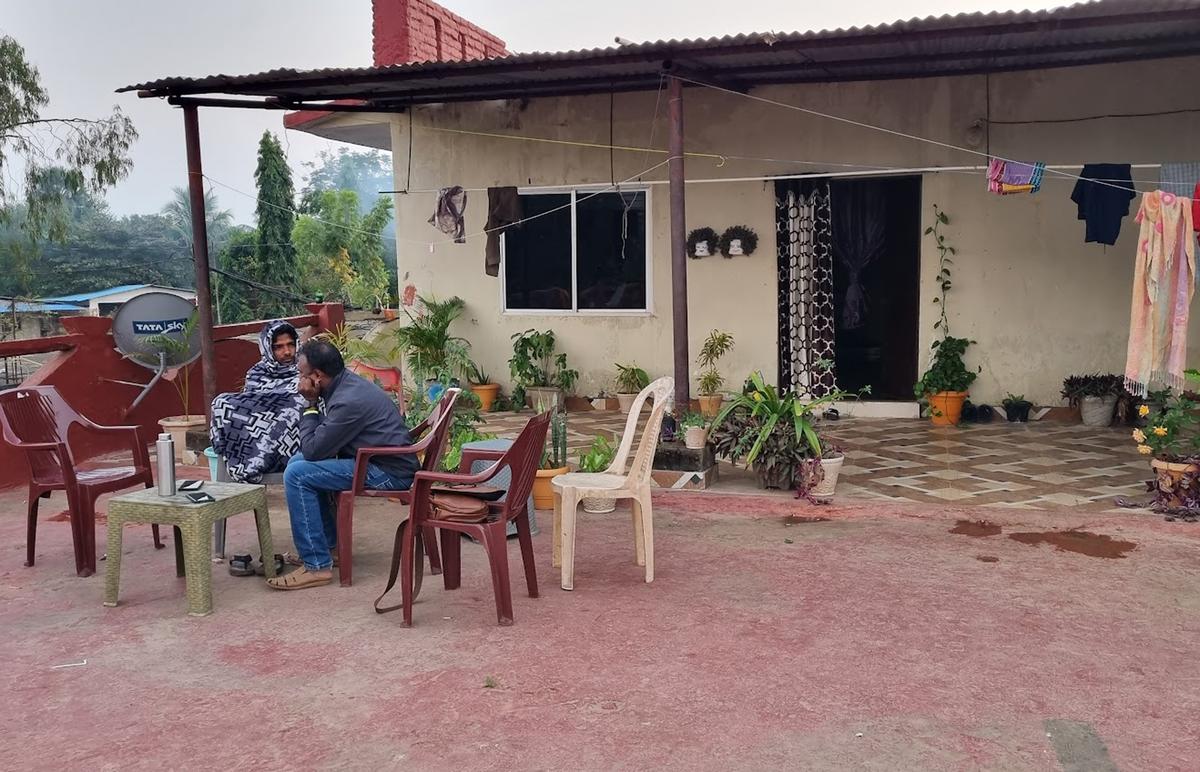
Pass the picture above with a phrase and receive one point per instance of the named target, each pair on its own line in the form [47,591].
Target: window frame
[575,191]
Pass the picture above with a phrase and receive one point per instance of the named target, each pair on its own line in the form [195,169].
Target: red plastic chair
[433,431]
[522,459]
[38,421]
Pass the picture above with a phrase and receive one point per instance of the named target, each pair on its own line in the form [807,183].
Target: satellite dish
[158,331]
[157,326]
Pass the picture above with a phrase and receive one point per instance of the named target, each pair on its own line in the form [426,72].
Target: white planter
[548,397]
[177,426]
[626,401]
[1097,411]
[694,437]
[599,506]
[832,467]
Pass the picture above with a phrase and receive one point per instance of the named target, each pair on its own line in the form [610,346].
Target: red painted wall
[407,31]
[88,374]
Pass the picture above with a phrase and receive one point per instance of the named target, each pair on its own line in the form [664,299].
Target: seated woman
[258,429]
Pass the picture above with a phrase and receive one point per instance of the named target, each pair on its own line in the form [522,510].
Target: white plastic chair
[613,484]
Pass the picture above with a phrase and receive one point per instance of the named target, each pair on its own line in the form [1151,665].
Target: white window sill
[582,313]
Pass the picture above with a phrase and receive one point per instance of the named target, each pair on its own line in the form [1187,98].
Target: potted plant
[630,380]
[695,430]
[554,460]
[540,376]
[773,432]
[715,346]
[1095,395]
[483,387]
[596,461]
[432,355]
[1016,407]
[944,385]
[176,347]
[1173,443]
[817,477]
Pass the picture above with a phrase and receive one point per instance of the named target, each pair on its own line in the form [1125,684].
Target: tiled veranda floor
[1000,464]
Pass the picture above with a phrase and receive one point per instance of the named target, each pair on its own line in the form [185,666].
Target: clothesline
[868,172]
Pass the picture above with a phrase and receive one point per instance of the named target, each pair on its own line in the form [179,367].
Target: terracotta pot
[487,394]
[694,437]
[177,426]
[945,407]
[386,376]
[543,490]
[599,506]
[389,314]
[625,401]
[1168,475]
[710,404]
[831,467]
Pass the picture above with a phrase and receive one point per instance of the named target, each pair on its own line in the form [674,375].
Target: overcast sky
[85,49]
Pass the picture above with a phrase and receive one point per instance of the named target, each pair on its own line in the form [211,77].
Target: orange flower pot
[487,393]
[945,407]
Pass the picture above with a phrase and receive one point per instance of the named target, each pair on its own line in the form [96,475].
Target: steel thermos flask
[165,449]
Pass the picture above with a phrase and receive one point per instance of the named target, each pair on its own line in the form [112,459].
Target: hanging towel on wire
[1179,177]
[1009,177]
[1103,195]
[504,209]
[1164,277]
[1182,179]
[448,213]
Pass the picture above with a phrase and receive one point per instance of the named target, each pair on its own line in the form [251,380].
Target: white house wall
[1039,302]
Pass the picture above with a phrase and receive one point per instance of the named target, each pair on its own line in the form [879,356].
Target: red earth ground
[878,639]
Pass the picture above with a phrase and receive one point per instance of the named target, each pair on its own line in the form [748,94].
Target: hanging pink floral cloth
[1164,278]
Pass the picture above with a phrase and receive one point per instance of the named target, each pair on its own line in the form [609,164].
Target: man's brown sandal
[292,559]
[300,579]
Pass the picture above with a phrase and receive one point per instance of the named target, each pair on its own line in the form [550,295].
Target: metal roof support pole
[679,294]
[208,357]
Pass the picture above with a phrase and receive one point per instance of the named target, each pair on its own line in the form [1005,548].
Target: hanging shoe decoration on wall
[738,240]
[702,242]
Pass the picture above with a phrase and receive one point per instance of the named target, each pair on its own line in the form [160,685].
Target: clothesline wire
[885,130]
[483,232]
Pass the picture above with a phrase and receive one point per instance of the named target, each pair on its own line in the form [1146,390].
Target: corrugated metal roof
[1084,33]
[39,307]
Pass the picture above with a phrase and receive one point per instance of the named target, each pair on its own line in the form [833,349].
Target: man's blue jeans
[311,487]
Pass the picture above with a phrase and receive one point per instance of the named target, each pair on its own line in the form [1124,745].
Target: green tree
[60,156]
[98,251]
[218,221]
[366,172]
[274,261]
[334,232]
[229,294]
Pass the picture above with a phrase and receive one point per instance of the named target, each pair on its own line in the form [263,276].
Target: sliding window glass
[581,251]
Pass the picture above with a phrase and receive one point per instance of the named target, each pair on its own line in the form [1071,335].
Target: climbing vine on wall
[944,262]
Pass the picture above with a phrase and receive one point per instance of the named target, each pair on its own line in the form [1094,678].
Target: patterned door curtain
[806,313]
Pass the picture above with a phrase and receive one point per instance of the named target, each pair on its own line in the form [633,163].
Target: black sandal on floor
[241,565]
[280,564]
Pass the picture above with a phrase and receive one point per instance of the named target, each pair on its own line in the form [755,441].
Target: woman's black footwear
[241,565]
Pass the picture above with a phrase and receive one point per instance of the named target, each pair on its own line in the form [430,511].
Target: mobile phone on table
[199,498]
[191,485]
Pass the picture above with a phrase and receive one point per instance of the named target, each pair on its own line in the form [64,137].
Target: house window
[581,251]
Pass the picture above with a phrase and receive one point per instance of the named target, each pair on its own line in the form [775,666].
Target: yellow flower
[758,397]
[1145,450]
[1160,431]
[1143,410]
[1139,435]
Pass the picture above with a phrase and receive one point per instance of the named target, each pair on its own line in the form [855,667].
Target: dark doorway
[876,283]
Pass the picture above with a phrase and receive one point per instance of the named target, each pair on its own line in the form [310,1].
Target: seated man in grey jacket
[358,414]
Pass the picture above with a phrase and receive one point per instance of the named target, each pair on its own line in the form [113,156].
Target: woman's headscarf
[268,374]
